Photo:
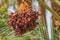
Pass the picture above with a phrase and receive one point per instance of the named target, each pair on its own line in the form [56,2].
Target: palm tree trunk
[42,16]
[56,23]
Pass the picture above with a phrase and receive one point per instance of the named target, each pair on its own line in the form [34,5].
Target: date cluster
[23,21]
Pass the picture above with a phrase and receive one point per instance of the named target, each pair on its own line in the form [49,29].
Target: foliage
[39,33]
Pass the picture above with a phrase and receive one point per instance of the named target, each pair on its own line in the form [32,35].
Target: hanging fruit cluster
[23,20]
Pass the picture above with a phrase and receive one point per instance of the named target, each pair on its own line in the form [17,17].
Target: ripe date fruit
[23,21]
